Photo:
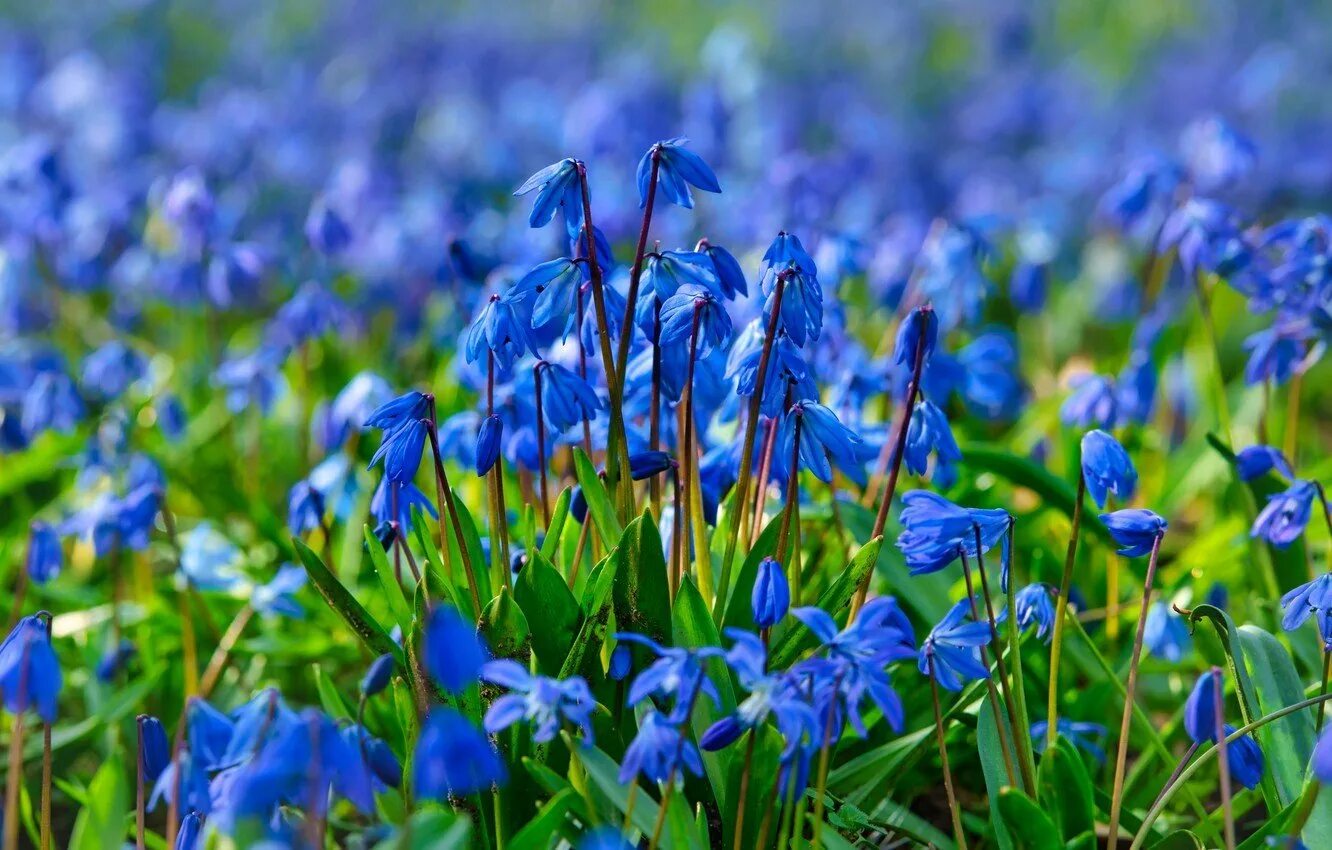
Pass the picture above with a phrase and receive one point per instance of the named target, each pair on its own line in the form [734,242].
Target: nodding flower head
[660,752]
[558,187]
[1164,634]
[678,168]
[950,654]
[1136,530]
[453,758]
[1286,514]
[677,672]
[936,531]
[822,435]
[1256,461]
[1084,736]
[919,329]
[502,330]
[1091,403]
[44,552]
[730,276]
[453,652]
[488,444]
[1200,709]
[771,596]
[566,399]
[1106,467]
[1035,606]
[29,670]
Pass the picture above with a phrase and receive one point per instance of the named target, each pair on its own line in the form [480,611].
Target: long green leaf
[550,544]
[553,615]
[1030,827]
[388,581]
[352,612]
[599,506]
[1053,491]
[1287,743]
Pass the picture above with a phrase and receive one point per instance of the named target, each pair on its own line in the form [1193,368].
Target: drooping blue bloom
[991,381]
[401,451]
[1091,404]
[544,702]
[1275,353]
[929,431]
[677,673]
[771,596]
[325,228]
[950,653]
[1284,517]
[190,828]
[254,724]
[1301,603]
[920,327]
[801,316]
[275,597]
[1136,388]
[1164,634]
[29,670]
[725,268]
[936,531]
[774,695]
[136,514]
[171,416]
[1321,763]
[1244,758]
[192,785]
[1027,286]
[644,465]
[660,752]
[488,444]
[1085,736]
[678,168]
[208,733]
[1136,530]
[560,189]
[208,560]
[566,399]
[1206,236]
[408,496]
[453,652]
[784,253]
[691,306]
[1256,461]
[114,660]
[154,749]
[1035,606]
[393,414]
[385,769]
[1106,468]
[110,370]
[45,555]
[453,758]
[554,287]
[949,274]
[1200,709]
[234,274]
[665,272]
[502,329]
[305,508]
[786,368]
[51,403]
[377,676]
[821,435]
[251,380]
[352,406]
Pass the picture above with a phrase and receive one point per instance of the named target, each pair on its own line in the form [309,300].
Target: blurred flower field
[699,425]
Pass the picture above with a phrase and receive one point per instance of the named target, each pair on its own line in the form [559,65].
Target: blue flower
[801,316]
[1137,388]
[560,188]
[208,560]
[1092,402]
[1256,461]
[45,555]
[377,676]
[110,370]
[677,169]
[677,672]
[188,836]
[1217,155]
[1136,530]
[251,380]
[171,417]
[935,531]
[51,403]
[501,328]
[951,651]
[1106,468]
[1084,736]
[920,324]
[1164,634]
[555,284]
[1284,517]
[305,508]
[644,465]
[566,399]
[725,268]
[821,435]
[29,670]
[275,598]
[114,660]
[192,786]
[453,758]
[154,749]
[1301,603]
[693,303]
[1205,236]
[664,273]
[408,496]
[394,413]
[542,701]
[234,274]
[488,444]
[1200,709]
[1028,284]
[401,451]
[771,596]
[770,695]
[453,652]
[1321,763]
[1035,606]
[326,229]
[1245,759]
[659,752]
[208,733]
[1275,354]
[929,432]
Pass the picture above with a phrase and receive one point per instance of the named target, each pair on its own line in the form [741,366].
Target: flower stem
[14,779]
[1023,721]
[541,445]
[774,805]
[1116,800]
[1028,772]
[636,271]
[661,812]
[825,751]
[1183,762]
[446,505]
[689,457]
[1223,758]
[754,510]
[1327,671]
[738,843]
[1006,742]
[953,808]
[1061,613]
[740,498]
[218,662]
[792,494]
[46,787]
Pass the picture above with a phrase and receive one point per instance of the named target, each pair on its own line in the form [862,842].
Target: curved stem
[218,662]
[1327,671]
[636,271]
[825,753]
[953,808]
[1061,613]
[446,505]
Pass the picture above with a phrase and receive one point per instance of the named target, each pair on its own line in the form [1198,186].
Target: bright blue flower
[540,700]
[453,652]
[770,695]
[453,758]
[690,304]
[208,733]
[1135,530]
[326,229]
[305,508]
[208,560]
[665,272]
[771,596]
[255,724]
[488,438]
[311,313]
[935,531]
[393,414]
[110,370]
[1321,763]
[137,511]
[678,168]
[949,274]
[275,598]
[1284,517]
[401,451]
[786,368]
[1106,468]
[566,399]
[560,188]
[929,432]
[725,268]
[192,785]
[29,670]
[408,496]
[1200,709]
[190,828]
[604,838]
[1301,603]
[252,380]
[45,555]
[502,329]
[299,765]
[1084,736]
[801,315]
[171,417]
[235,273]
[821,435]
[660,752]
[364,394]
[1136,388]
[644,465]
[1134,195]
[677,672]
[621,663]
[154,749]
[385,769]
[1245,759]
[921,324]
[1092,403]
[1164,634]
[1205,236]
[1275,354]
[555,286]
[1256,461]
[1028,284]
[51,403]
[377,676]
[951,651]
[1035,606]
[987,369]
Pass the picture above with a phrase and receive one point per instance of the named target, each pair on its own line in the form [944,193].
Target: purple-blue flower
[453,758]
[678,168]
[1283,519]
[1255,461]
[822,435]
[1106,468]
[929,431]
[1083,735]
[935,531]
[566,399]
[950,653]
[659,753]
[488,444]
[453,652]
[29,670]
[1165,635]
[540,700]
[45,555]
[1035,606]
[1092,402]
[559,188]
[1136,530]
[1301,603]
[771,596]
[920,324]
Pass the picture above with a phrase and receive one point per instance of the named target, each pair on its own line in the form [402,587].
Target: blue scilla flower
[786,368]
[310,313]
[135,515]
[693,305]
[540,700]
[921,326]
[1256,461]
[377,675]
[784,253]
[566,399]
[1283,519]
[1106,467]
[950,653]
[553,287]
[1321,762]
[604,838]
[390,415]
[1136,388]
[407,496]
[664,272]
[251,380]
[191,826]
[1215,154]
[453,758]
[171,416]
[801,316]
[45,555]
[1200,709]
[488,438]
[115,659]
[1136,530]
[299,765]
[1092,403]
[305,508]
[949,273]
[154,748]
[235,273]
[677,672]
[385,771]
[208,560]
[644,465]
[725,268]
[51,403]
[190,792]
[936,531]
[110,370]
[1136,193]
[770,695]
[559,189]
[771,596]
[1085,736]
[821,435]
[326,229]
[1206,237]
[276,597]
[1164,634]
[1244,758]
[208,733]
[453,651]
[1028,284]
[500,329]
[29,670]
[401,451]
[1275,353]
[1301,603]
[929,431]
[678,168]
[1035,606]
[991,382]
[352,406]
[660,752]
[254,724]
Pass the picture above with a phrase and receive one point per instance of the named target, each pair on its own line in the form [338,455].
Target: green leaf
[1180,839]
[995,772]
[642,605]
[693,627]
[833,600]
[597,603]
[1029,826]
[605,775]
[599,505]
[538,832]
[473,541]
[101,823]
[340,600]
[1053,491]
[505,628]
[550,545]
[329,698]
[552,613]
[388,580]
[1287,743]
[1065,789]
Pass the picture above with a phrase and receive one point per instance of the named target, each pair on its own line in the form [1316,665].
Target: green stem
[953,807]
[1061,614]
[744,793]
[1223,757]
[1006,743]
[1015,657]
